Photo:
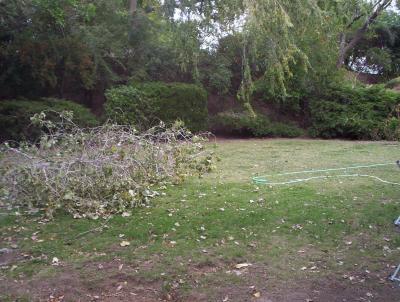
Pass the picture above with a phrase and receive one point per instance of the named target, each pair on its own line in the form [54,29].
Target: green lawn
[324,240]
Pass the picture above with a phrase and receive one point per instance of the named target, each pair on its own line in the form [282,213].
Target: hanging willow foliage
[269,30]
[282,39]
[273,27]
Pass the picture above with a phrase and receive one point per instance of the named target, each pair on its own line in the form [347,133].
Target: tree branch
[377,9]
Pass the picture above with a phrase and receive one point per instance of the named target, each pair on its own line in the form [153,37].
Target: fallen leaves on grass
[56,299]
[55,261]
[242,265]
[297,227]
[125,243]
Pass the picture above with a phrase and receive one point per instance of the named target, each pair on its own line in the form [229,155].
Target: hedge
[241,124]
[15,123]
[145,104]
[356,113]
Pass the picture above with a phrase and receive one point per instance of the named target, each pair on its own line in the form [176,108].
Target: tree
[55,44]
[61,47]
[373,11]
[378,51]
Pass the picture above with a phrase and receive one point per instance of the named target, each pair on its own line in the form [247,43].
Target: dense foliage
[127,105]
[69,46]
[15,117]
[55,47]
[145,105]
[356,113]
[379,50]
[230,123]
[286,53]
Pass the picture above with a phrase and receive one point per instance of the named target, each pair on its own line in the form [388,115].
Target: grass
[186,245]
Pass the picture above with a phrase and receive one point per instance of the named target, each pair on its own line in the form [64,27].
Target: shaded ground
[119,285]
[317,241]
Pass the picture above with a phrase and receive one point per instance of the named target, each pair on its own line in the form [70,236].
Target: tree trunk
[133,7]
[342,50]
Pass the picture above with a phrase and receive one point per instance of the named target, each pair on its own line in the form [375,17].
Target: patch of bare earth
[107,283]
[8,257]
[117,281]
[69,285]
[317,290]
[257,284]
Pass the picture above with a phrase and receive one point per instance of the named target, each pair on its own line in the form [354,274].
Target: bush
[15,116]
[245,125]
[98,171]
[355,113]
[144,105]
[391,128]
[393,83]
[126,105]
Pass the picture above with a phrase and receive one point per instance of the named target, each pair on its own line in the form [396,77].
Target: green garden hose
[264,180]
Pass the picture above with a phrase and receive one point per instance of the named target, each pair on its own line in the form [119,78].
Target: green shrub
[15,116]
[126,105]
[391,128]
[354,113]
[245,125]
[144,105]
[283,104]
[393,83]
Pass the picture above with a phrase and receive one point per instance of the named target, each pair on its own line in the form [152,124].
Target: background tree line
[261,61]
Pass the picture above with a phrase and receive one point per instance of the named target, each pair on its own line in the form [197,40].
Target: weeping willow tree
[283,41]
[271,26]
[277,37]
[273,34]
[305,38]
[195,23]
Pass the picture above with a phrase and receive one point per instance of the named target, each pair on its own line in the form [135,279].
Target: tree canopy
[71,47]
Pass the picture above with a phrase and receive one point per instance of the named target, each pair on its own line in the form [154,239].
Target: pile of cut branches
[99,171]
